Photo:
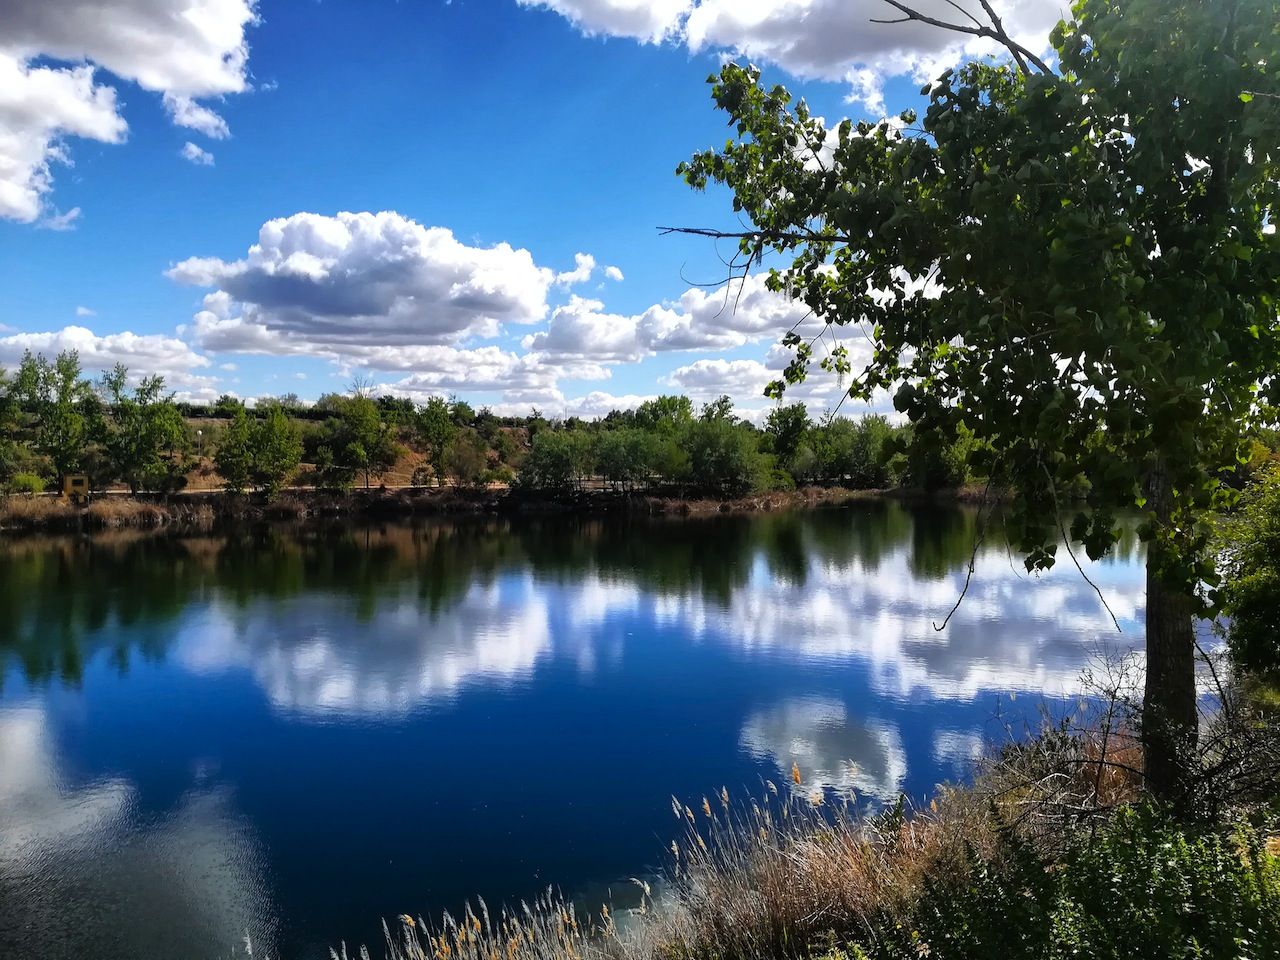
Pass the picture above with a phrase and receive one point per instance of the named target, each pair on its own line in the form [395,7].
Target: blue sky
[481,147]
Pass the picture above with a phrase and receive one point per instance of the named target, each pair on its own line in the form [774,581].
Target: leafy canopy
[1080,268]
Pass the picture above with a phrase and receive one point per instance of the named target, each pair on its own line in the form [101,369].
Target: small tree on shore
[1076,263]
[276,450]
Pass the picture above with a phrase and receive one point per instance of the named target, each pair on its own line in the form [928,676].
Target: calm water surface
[297,733]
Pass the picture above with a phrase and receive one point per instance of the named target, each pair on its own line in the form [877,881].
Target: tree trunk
[1169,716]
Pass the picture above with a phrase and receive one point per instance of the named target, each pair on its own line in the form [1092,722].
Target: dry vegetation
[797,873]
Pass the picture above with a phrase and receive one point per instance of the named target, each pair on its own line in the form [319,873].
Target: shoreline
[204,511]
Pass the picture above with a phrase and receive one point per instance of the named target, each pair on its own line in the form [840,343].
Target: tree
[718,410]
[56,397]
[275,450]
[786,427]
[467,458]
[626,457]
[557,460]
[145,436]
[723,456]
[359,441]
[665,414]
[1250,588]
[1049,257]
[234,455]
[436,430]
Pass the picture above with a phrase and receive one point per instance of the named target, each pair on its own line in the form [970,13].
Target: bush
[28,484]
[1140,887]
[1250,591]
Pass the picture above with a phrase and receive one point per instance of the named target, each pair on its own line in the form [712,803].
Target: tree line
[55,421]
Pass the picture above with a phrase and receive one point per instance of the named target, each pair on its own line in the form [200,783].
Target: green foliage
[855,453]
[358,441]
[724,456]
[666,414]
[145,436]
[627,457]
[557,460]
[56,401]
[1250,591]
[467,458]
[786,427]
[275,445]
[25,483]
[234,454]
[1048,259]
[1140,887]
[435,430]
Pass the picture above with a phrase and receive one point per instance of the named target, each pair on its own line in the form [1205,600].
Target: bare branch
[995,32]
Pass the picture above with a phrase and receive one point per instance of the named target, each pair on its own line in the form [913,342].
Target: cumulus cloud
[182,49]
[185,112]
[197,155]
[646,20]
[438,370]
[335,285]
[148,353]
[812,39]
[584,266]
[613,273]
[86,312]
[698,320]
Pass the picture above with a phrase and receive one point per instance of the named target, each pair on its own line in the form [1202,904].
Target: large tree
[1072,257]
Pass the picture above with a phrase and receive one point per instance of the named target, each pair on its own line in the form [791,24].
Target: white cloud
[719,319]
[141,353]
[197,155]
[613,273]
[813,39]
[183,49]
[86,312]
[646,20]
[60,222]
[833,750]
[38,106]
[185,112]
[707,377]
[335,285]
[438,370]
[582,329]
[584,266]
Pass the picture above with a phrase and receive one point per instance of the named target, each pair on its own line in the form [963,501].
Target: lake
[294,733]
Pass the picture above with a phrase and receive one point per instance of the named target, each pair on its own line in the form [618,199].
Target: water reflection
[346,723]
[834,750]
[81,866]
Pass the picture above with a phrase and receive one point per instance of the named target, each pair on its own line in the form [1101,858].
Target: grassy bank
[1052,852]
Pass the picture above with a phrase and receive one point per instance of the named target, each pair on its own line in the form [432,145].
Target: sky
[442,197]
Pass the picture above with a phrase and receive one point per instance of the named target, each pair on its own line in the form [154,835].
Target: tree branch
[995,32]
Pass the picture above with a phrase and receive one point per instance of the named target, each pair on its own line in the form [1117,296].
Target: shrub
[1140,887]
[26,483]
[1250,591]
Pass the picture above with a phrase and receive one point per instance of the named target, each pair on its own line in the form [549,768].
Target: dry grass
[25,513]
[778,878]
[111,512]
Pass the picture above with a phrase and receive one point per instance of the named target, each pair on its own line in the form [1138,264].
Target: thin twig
[1057,512]
[973,559]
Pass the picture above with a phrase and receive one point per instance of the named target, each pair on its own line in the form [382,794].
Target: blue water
[292,734]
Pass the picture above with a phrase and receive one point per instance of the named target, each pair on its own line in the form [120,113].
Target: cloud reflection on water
[76,858]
